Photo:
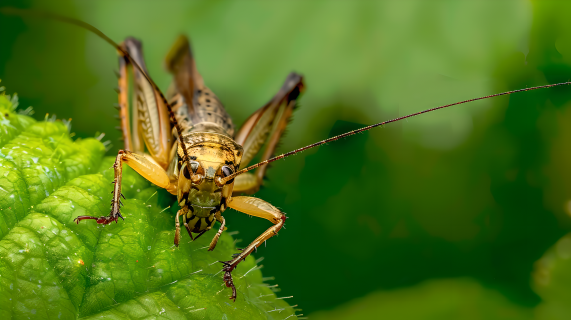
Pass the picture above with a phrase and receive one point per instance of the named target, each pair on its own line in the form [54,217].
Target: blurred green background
[476,193]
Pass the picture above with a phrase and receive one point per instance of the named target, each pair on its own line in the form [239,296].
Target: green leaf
[52,268]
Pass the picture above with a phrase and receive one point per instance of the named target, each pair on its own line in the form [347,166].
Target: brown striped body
[207,134]
[186,143]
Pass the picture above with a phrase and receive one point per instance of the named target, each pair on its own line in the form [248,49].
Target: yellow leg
[246,183]
[146,167]
[222,228]
[259,208]
[177,226]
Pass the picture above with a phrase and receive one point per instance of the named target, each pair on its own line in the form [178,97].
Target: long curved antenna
[100,34]
[350,133]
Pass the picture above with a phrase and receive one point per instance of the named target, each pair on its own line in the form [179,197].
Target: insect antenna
[350,133]
[100,34]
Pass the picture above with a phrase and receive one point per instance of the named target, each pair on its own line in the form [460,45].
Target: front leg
[214,241]
[181,212]
[146,167]
[259,208]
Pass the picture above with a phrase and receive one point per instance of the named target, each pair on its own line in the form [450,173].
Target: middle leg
[220,219]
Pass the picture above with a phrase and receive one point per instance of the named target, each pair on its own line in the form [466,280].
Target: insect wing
[151,117]
[199,107]
[269,121]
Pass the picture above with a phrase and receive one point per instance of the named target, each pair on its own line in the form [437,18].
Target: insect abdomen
[208,114]
[199,224]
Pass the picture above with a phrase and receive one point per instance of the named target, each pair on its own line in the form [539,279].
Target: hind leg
[259,208]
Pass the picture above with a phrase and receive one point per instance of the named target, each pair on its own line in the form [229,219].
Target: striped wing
[268,123]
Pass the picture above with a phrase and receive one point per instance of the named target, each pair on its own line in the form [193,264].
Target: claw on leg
[241,256]
[259,208]
[100,220]
[116,201]
[228,267]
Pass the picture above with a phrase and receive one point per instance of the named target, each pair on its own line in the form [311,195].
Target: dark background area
[478,190]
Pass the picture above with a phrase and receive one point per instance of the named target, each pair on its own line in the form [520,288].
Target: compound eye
[194,166]
[226,171]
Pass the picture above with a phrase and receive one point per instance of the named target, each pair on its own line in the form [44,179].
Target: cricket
[185,142]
